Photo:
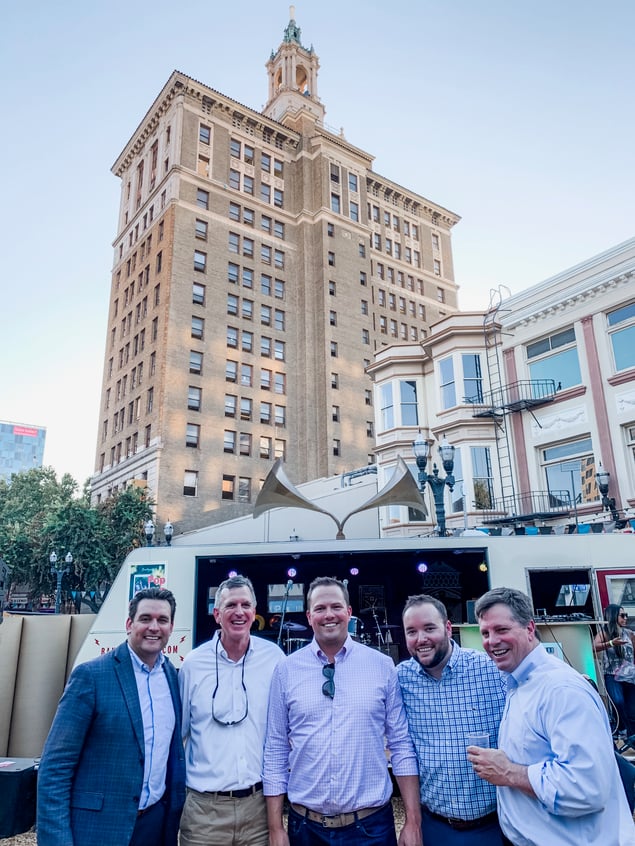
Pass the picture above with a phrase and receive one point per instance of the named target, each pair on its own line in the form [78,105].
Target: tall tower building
[259,262]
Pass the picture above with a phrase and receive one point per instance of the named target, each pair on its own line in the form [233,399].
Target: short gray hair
[234,582]
[518,603]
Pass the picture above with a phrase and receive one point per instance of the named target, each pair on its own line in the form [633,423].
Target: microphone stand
[285,600]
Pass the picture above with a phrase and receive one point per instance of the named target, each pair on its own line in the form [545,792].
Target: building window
[265,447]
[386,407]
[335,413]
[265,379]
[472,378]
[446,383]
[279,259]
[234,212]
[368,397]
[196,362]
[333,318]
[280,417]
[266,223]
[244,443]
[437,267]
[234,242]
[201,229]
[336,446]
[278,289]
[362,278]
[408,400]
[228,487]
[278,168]
[265,193]
[335,203]
[335,380]
[229,441]
[435,241]
[150,401]
[202,199]
[246,375]
[234,179]
[247,309]
[194,395]
[190,483]
[280,383]
[265,285]
[279,449]
[482,477]
[331,259]
[279,319]
[352,182]
[333,349]
[248,247]
[555,357]
[265,347]
[247,341]
[244,489]
[232,304]
[365,336]
[621,324]
[265,412]
[248,278]
[265,162]
[278,229]
[248,185]
[232,337]
[330,230]
[193,435]
[231,371]
[230,405]
[234,148]
[570,467]
[331,288]
[362,249]
[278,198]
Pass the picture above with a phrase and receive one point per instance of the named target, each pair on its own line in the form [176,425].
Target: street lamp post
[421,450]
[148,528]
[603,477]
[168,531]
[58,572]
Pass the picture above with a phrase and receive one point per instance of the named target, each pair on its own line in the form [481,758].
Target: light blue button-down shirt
[555,724]
[157,711]
[329,754]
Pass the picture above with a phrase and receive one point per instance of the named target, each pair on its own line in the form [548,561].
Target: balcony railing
[527,508]
[516,396]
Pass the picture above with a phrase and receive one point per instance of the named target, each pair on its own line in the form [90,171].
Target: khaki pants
[212,820]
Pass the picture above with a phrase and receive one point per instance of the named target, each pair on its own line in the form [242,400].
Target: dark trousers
[434,830]
[148,830]
[376,830]
[623,696]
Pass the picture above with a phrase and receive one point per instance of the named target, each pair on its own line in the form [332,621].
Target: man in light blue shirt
[334,708]
[449,692]
[557,780]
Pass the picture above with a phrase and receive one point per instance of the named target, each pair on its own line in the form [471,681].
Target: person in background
[555,770]
[448,692]
[334,707]
[225,689]
[113,768]
[614,646]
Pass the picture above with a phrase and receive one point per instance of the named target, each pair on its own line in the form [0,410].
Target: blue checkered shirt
[469,697]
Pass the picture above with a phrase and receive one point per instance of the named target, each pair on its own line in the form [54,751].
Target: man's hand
[278,838]
[494,766]
[410,834]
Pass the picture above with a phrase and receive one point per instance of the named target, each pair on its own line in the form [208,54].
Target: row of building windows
[394,222]
[247,216]
[237,274]
[242,181]
[126,449]
[268,347]
[245,307]
[394,249]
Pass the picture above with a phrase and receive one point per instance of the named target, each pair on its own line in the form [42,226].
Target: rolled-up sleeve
[276,758]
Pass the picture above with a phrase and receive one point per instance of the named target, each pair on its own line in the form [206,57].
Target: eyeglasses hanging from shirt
[216,718]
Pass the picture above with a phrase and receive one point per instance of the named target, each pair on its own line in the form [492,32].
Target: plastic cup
[477,738]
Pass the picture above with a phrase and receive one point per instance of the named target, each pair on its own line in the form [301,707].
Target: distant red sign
[23,430]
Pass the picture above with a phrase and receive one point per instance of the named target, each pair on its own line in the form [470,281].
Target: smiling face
[506,641]
[428,637]
[328,616]
[235,612]
[149,632]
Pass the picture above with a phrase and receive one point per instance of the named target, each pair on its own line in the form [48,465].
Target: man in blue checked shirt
[449,692]
[334,707]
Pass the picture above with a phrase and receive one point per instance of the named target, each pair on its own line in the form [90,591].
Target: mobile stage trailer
[569,578]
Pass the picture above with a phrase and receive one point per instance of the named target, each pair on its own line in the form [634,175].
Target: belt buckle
[328,821]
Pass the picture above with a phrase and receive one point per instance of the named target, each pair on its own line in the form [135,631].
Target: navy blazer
[91,773]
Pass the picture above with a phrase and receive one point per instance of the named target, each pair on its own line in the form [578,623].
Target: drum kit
[291,640]
[381,633]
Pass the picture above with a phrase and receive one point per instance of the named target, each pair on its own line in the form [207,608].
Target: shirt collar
[141,665]
[344,651]
[217,643]
[526,667]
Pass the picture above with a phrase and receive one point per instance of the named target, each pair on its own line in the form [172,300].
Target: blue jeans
[376,830]
[435,831]
[623,696]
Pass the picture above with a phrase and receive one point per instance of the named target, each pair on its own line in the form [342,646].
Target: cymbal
[372,609]
[294,627]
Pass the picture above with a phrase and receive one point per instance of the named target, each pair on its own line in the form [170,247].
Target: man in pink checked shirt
[334,707]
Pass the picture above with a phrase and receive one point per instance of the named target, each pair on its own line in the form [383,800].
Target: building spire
[292,33]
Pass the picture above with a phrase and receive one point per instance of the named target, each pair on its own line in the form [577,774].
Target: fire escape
[503,400]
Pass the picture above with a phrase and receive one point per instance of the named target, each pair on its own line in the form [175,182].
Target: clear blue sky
[515,114]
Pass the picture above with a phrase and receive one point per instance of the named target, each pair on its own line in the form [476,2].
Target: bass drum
[295,643]
[355,627]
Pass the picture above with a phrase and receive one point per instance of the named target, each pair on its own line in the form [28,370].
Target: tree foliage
[40,514]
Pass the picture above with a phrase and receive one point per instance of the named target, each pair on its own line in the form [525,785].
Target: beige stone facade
[259,264]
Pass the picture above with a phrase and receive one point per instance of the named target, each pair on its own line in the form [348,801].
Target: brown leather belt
[463,825]
[335,820]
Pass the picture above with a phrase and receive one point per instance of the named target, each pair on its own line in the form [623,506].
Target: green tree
[39,515]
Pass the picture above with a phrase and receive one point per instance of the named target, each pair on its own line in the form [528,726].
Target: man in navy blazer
[113,769]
